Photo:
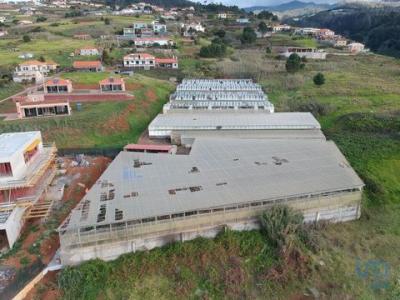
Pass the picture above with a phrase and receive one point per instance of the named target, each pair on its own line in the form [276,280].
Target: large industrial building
[217,94]
[237,163]
[181,127]
[144,200]
[27,167]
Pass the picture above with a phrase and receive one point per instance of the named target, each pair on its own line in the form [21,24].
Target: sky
[248,3]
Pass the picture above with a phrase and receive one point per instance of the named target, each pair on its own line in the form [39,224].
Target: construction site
[27,167]
[237,165]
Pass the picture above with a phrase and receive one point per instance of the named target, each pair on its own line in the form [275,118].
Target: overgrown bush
[286,232]
[216,49]
[279,224]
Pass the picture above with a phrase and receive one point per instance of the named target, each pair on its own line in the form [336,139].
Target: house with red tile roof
[57,86]
[140,60]
[147,61]
[112,85]
[88,65]
[168,63]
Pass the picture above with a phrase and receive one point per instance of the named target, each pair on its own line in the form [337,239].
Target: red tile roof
[166,60]
[83,64]
[58,81]
[140,55]
[112,80]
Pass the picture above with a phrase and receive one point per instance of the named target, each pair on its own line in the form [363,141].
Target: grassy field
[57,42]
[359,109]
[101,125]
[6,91]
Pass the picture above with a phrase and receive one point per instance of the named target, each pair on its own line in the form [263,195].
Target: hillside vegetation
[379,29]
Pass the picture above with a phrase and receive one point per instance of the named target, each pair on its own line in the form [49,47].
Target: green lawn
[283,39]
[101,125]
[8,90]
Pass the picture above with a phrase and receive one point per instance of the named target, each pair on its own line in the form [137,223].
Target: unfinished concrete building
[218,94]
[27,167]
[146,200]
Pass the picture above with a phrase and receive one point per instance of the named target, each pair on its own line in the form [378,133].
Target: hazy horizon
[248,3]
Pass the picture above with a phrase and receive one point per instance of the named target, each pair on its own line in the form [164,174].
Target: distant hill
[377,27]
[292,5]
[162,3]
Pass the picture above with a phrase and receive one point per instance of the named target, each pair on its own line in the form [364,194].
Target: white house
[192,28]
[88,51]
[281,27]
[222,16]
[355,47]
[139,25]
[152,41]
[33,70]
[243,21]
[307,31]
[159,28]
[140,60]
[167,63]
[325,33]
[310,53]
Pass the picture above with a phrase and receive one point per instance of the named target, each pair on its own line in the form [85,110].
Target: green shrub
[24,261]
[280,222]
[293,63]
[319,79]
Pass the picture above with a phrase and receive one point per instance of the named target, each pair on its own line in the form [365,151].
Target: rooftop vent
[279,161]
[194,170]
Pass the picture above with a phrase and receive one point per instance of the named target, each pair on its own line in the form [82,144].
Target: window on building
[5,169]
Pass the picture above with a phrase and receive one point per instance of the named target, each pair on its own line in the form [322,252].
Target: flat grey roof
[13,141]
[217,172]
[233,120]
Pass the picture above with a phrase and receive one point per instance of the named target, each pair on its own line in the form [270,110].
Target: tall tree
[262,27]
[248,36]
[293,63]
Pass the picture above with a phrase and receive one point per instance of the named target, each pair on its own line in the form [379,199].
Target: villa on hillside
[167,63]
[147,61]
[33,70]
[140,60]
